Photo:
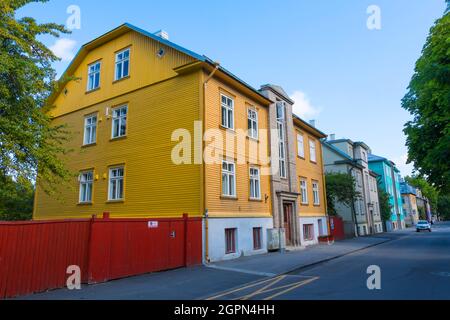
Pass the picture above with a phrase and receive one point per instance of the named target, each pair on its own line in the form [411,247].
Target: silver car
[423,225]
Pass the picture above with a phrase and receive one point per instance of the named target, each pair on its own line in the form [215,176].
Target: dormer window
[122,64]
[93,76]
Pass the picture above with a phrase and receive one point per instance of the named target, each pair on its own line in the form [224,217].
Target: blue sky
[348,78]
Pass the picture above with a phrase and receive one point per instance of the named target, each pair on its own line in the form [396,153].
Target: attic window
[161,53]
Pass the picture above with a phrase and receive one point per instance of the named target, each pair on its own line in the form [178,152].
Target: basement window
[230,240]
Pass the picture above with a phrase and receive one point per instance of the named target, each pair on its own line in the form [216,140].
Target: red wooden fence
[337,227]
[34,256]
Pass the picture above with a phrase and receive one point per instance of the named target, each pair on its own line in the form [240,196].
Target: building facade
[409,201]
[389,181]
[312,214]
[346,156]
[144,114]
[284,186]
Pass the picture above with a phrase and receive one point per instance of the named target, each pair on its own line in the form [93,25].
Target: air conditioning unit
[273,239]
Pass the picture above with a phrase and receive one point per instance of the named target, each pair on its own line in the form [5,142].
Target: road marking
[268,287]
[238,289]
[262,289]
[257,273]
[292,288]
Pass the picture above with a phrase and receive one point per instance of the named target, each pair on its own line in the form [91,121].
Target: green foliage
[340,189]
[27,138]
[444,206]
[428,100]
[422,213]
[16,199]
[428,191]
[385,206]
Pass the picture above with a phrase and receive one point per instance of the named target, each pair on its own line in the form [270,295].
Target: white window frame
[93,74]
[228,120]
[316,194]
[86,179]
[90,129]
[120,63]
[227,174]
[115,180]
[252,120]
[255,183]
[300,145]
[304,191]
[312,150]
[119,120]
[281,116]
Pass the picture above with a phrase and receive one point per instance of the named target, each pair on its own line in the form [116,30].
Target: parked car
[423,225]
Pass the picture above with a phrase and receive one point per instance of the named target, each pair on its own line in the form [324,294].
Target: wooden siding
[154,186]
[311,171]
[242,206]
[145,68]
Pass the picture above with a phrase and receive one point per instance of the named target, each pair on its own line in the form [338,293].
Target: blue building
[389,181]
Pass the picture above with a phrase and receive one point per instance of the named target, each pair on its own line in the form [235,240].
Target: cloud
[405,169]
[64,49]
[303,107]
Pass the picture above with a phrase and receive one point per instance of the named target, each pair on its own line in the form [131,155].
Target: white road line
[257,273]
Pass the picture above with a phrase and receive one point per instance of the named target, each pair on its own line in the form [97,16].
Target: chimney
[332,137]
[162,34]
[312,123]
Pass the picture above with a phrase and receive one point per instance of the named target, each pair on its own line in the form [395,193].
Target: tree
[428,100]
[340,189]
[444,207]
[385,205]
[27,138]
[16,199]
[428,191]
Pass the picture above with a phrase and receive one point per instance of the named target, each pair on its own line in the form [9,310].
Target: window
[90,129]
[230,241]
[86,181]
[227,112]
[116,176]
[364,156]
[93,76]
[252,123]
[119,125]
[359,178]
[255,185]
[300,146]
[315,186]
[304,191]
[257,236]
[312,150]
[308,232]
[228,179]
[122,64]
[281,138]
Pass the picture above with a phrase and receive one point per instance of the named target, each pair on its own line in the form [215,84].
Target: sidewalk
[202,281]
[272,264]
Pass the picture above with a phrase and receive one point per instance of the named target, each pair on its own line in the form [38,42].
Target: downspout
[324,188]
[205,83]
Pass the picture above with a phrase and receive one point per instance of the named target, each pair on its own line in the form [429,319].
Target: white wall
[244,236]
[315,222]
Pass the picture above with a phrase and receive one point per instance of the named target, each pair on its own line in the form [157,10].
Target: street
[413,266]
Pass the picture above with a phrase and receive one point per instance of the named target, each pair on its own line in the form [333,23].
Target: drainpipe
[217,66]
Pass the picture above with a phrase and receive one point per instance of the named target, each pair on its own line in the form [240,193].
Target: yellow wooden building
[135,97]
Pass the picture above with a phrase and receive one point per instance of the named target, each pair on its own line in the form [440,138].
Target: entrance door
[287,216]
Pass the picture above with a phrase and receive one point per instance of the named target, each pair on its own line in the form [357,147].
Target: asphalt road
[415,266]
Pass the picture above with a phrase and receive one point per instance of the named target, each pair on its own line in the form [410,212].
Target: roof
[336,150]
[363,144]
[375,158]
[277,90]
[308,127]
[406,188]
[340,140]
[122,29]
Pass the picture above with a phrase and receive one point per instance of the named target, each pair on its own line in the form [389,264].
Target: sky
[348,77]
